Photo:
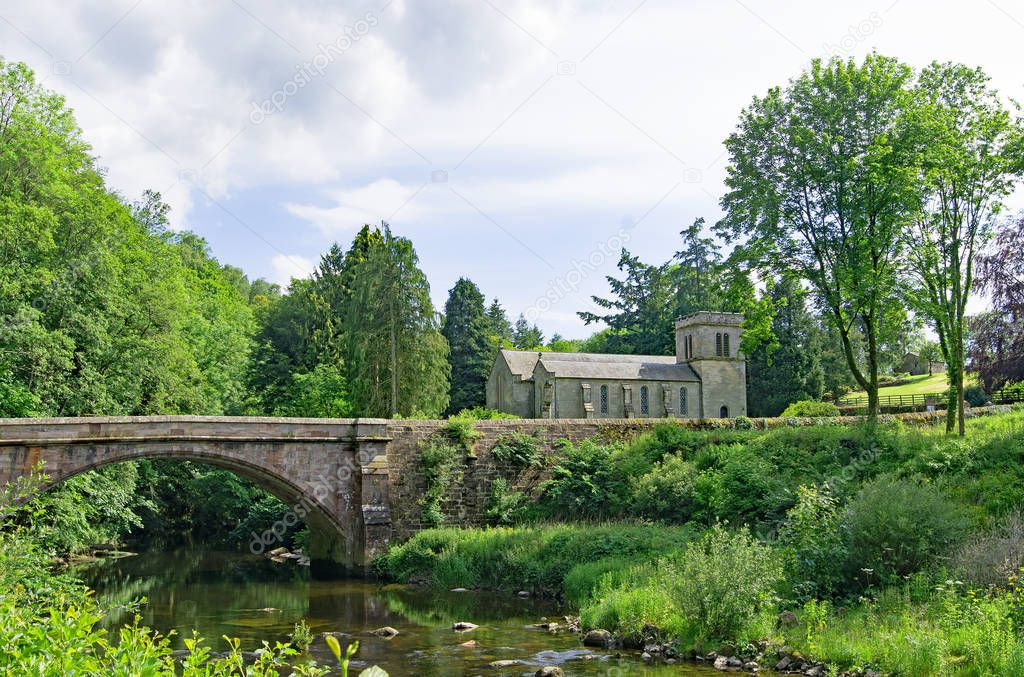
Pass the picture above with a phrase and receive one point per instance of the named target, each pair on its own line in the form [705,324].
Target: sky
[519,143]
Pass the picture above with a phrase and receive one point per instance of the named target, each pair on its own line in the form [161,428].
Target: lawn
[917,385]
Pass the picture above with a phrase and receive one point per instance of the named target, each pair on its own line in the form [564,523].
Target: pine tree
[526,336]
[471,354]
[499,328]
[396,359]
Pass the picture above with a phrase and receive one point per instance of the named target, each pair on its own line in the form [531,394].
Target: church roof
[600,366]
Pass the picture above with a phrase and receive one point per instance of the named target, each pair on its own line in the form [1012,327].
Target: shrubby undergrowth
[890,547]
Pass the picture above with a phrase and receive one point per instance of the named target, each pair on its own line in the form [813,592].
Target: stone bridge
[356,483]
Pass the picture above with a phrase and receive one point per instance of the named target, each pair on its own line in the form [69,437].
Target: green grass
[918,385]
[540,559]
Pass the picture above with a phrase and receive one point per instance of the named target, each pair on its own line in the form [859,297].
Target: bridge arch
[320,468]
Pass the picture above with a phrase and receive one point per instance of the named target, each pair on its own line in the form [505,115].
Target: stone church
[707,378]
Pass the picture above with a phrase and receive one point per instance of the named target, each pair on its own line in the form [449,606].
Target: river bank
[886,548]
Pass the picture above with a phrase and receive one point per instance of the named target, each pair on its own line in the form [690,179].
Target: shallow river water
[254,599]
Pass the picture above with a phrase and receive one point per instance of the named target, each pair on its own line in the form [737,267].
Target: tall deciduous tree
[471,354]
[997,337]
[970,146]
[396,358]
[822,183]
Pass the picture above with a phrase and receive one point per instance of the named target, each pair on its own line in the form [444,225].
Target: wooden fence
[923,400]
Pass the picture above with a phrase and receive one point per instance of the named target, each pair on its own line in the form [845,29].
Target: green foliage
[321,393]
[899,527]
[814,541]
[396,358]
[518,449]
[526,336]
[789,369]
[535,558]
[466,329]
[462,432]
[811,409]
[976,396]
[484,414]
[721,587]
[506,506]
[441,462]
[585,483]
[668,492]
[301,636]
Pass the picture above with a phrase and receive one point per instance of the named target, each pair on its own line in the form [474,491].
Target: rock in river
[599,638]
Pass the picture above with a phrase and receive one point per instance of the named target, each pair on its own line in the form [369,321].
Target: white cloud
[288,266]
[580,113]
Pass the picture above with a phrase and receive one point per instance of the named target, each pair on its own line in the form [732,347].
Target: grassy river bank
[893,548]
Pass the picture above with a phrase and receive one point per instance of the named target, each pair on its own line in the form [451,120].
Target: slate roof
[600,366]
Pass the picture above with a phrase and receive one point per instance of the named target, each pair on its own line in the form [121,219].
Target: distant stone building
[914,365]
[707,378]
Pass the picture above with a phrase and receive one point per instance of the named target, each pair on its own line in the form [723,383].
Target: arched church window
[725,344]
[682,402]
[604,399]
[718,344]
[645,401]
[724,412]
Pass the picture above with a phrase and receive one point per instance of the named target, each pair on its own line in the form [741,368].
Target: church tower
[710,344]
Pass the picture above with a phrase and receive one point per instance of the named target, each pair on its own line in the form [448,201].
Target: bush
[517,449]
[995,558]
[667,492]
[724,582]
[720,588]
[484,414]
[462,432]
[897,528]
[810,409]
[976,396]
[814,544]
[586,483]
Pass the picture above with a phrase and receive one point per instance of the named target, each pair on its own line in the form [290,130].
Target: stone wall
[466,502]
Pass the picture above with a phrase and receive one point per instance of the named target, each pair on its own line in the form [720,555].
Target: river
[254,599]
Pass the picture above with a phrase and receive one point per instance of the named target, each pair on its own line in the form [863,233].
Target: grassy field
[917,385]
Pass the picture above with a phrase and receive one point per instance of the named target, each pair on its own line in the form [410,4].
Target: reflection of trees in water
[441,607]
[217,593]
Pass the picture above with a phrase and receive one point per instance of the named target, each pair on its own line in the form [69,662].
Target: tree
[930,352]
[997,337]
[790,370]
[822,184]
[696,272]
[526,336]
[970,164]
[498,326]
[396,359]
[640,310]
[471,355]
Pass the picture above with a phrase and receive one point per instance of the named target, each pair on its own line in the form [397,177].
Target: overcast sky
[519,143]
